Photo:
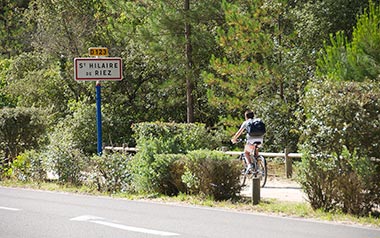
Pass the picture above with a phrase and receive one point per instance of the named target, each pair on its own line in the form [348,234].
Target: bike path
[280,189]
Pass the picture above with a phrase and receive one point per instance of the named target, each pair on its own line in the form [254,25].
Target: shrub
[342,113]
[154,171]
[22,129]
[81,124]
[158,143]
[167,170]
[161,165]
[64,158]
[348,183]
[29,166]
[174,137]
[342,133]
[212,173]
[110,172]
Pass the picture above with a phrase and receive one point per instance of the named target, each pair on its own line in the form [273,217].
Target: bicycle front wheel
[262,172]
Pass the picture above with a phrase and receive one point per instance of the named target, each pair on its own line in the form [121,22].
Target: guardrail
[122,149]
[288,156]
[288,159]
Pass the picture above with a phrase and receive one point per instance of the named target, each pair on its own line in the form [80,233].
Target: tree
[355,60]
[5,98]
[257,69]
[163,27]
[14,37]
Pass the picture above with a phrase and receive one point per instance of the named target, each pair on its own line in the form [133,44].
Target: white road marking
[104,222]
[9,208]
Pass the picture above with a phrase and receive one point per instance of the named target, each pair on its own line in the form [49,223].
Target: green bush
[153,171]
[81,125]
[22,129]
[342,113]
[347,183]
[156,167]
[166,171]
[110,172]
[174,137]
[342,132]
[212,173]
[64,158]
[29,166]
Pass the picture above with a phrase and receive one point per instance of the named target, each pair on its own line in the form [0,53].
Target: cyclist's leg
[257,146]
[248,149]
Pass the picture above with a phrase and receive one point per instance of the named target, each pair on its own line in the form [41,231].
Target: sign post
[98,69]
[99,118]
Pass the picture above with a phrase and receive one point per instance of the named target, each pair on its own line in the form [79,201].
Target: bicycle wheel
[262,170]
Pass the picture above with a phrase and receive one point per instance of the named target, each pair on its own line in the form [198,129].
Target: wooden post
[255,190]
[288,165]
[124,150]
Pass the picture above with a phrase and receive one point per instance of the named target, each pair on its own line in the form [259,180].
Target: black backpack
[256,128]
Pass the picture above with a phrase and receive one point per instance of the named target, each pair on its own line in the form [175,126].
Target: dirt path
[280,189]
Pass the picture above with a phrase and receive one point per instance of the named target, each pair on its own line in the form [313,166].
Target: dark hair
[249,114]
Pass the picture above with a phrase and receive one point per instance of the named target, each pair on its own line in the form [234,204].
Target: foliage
[110,173]
[315,20]
[174,137]
[342,113]
[342,131]
[22,129]
[80,125]
[14,37]
[260,68]
[212,173]
[162,176]
[63,156]
[158,166]
[5,98]
[29,166]
[355,60]
[345,183]
[241,71]
[33,79]
[342,123]
[154,139]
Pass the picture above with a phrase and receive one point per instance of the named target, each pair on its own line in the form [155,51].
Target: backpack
[256,128]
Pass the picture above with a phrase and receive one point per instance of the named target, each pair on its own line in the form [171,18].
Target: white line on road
[104,222]
[9,208]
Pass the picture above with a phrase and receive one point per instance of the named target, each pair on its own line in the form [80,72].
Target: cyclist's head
[249,114]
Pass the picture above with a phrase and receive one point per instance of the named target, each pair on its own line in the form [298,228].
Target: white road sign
[92,69]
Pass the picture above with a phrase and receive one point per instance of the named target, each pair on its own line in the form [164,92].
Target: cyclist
[252,141]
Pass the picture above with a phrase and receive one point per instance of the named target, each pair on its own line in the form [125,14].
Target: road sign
[98,51]
[93,69]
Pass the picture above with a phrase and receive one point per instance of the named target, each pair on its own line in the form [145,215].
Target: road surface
[37,214]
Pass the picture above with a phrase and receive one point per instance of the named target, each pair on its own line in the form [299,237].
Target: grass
[268,206]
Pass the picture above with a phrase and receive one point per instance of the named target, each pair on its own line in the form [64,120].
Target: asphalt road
[28,214]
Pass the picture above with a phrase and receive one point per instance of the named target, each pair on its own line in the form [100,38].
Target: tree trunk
[189,65]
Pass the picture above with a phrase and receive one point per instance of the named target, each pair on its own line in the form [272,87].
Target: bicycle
[259,168]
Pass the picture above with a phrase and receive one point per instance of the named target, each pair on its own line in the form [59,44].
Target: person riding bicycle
[252,140]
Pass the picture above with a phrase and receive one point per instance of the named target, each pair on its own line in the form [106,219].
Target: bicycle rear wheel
[262,172]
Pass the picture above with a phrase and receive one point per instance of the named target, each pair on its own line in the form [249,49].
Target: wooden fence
[287,156]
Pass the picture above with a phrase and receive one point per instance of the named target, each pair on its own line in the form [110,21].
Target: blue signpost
[99,117]
[98,69]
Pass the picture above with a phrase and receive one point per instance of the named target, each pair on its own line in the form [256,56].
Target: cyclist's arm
[236,136]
